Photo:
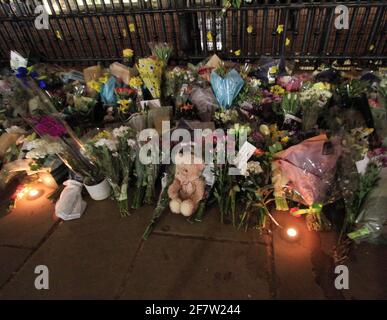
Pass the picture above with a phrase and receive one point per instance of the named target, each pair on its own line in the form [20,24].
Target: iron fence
[87,31]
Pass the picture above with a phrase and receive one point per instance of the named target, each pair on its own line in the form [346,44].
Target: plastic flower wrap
[71,151]
[205,102]
[151,71]
[290,83]
[305,170]
[378,106]
[226,88]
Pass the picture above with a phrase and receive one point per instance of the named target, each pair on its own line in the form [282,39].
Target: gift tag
[150,104]
[362,165]
[17,60]
[244,154]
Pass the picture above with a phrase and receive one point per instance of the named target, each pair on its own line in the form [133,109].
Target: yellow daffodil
[135,82]
[104,79]
[94,85]
[132,28]
[372,47]
[127,53]
[104,134]
[322,86]
[287,42]
[277,90]
[285,139]
[124,105]
[209,36]
[58,35]
[264,129]
[273,70]
[250,29]
[280,28]
[124,34]
[237,53]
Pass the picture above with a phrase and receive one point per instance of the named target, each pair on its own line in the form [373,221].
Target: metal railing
[87,31]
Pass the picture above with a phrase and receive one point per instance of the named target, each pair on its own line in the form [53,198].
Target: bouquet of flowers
[290,106]
[151,71]
[313,100]
[71,152]
[162,51]
[126,101]
[114,153]
[39,150]
[226,86]
[378,106]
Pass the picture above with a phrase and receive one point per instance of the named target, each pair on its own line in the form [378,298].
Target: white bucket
[99,191]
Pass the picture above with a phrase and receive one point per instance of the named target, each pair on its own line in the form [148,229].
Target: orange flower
[258,152]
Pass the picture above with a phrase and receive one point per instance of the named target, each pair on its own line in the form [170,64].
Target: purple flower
[48,125]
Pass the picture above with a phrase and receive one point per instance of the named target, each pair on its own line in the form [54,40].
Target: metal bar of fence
[308,25]
[12,19]
[163,26]
[91,24]
[25,26]
[136,29]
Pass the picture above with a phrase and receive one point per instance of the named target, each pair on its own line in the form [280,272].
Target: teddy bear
[187,188]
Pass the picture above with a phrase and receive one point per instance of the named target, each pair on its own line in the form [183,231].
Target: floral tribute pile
[315,140]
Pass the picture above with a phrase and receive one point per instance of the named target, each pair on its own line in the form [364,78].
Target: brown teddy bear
[187,188]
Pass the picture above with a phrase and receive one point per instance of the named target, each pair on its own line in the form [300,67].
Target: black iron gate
[86,31]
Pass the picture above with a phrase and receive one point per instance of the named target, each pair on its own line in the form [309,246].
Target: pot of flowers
[97,190]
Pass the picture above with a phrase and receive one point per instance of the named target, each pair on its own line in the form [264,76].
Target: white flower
[40,149]
[110,144]
[131,143]
[115,154]
[120,132]
[254,167]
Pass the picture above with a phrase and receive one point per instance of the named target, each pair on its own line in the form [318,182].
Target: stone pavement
[102,256]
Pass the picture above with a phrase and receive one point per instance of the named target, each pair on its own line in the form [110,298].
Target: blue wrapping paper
[226,89]
[108,94]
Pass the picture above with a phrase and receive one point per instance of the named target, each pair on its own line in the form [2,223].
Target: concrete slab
[170,267]
[303,269]
[87,258]
[28,223]
[367,272]
[11,259]
[209,228]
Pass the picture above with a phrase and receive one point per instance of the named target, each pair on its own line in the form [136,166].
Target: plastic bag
[307,169]
[227,88]
[373,215]
[70,204]
[108,94]
[205,102]
[269,69]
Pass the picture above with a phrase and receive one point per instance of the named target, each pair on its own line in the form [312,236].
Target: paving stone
[28,223]
[170,267]
[10,260]
[367,272]
[295,277]
[87,258]
[210,228]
